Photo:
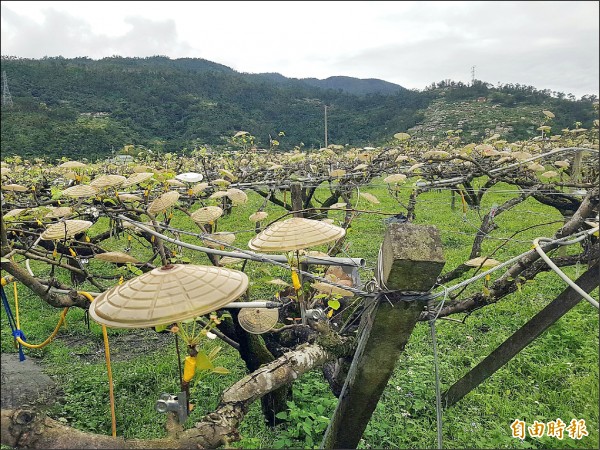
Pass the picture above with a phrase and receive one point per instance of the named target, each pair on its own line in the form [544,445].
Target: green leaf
[281,415]
[309,441]
[333,304]
[280,443]
[221,370]
[159,328]
[134,270]
[307,427]
[203,362]
[213,353]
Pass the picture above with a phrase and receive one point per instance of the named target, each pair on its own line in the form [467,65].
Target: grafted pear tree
[138,202]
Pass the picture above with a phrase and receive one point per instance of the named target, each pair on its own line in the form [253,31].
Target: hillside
[355,85]
[477,119]
[85,108]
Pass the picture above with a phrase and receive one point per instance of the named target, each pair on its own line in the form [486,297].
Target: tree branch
[26,429]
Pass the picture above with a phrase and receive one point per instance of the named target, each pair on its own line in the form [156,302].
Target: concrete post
[411,260]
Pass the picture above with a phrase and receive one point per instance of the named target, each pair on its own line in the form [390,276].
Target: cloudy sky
[546,44]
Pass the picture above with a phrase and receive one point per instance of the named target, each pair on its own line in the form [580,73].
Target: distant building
[120,159]
[95,114]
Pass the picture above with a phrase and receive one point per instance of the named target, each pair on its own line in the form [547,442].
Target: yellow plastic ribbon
[296,280]
[189,368]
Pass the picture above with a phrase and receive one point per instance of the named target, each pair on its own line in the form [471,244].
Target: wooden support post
[576,167]
[411,261]
[296,194]
[521,338]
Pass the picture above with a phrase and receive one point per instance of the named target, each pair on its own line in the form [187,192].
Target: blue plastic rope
[11,321]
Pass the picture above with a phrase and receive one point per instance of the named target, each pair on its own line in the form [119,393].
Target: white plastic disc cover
[190,177]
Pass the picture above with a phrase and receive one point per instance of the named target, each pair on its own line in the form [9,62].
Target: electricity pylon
[6,97]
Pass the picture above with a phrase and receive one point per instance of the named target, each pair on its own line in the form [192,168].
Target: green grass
[554,377]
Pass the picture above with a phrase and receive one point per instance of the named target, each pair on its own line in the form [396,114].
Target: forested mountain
[83,108]
[355,85]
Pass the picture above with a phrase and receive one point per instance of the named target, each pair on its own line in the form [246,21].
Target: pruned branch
[27,429]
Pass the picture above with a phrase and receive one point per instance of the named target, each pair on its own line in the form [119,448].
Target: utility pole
[325,126]
[6,97]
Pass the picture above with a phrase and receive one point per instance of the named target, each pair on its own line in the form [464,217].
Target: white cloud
[549,45]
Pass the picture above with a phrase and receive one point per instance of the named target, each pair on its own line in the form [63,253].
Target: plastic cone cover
[175,182]
[237,196]
[167,295]
[258,320]
[190,177]
[72,164]
[395,178]
[227,260]
[223,239]
[66,229]
[59,212]
[207,214]
[14,187]
[130,198]
[476,262]
[104,181]
[116,257]
[258,216]
[136,178]
[163,202]
[295,234]
[14,213]
[199,187]
[79,191]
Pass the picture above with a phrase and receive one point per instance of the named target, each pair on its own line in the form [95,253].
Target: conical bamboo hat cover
[168,294]
[163,202]
[14,187]
[175,182]
[65,230]
[14,213]
[137,178]
[190,177]
[130,198]
[116,257]
[207,214]
[295,234]
[59,212]
[72,165]
[487,262]
[79,191]
[105,181]
[258,320]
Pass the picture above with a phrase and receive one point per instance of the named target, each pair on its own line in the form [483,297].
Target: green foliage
[307,416]
[84,108]
[556,376]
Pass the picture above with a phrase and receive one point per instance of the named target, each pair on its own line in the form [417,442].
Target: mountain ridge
[80,106]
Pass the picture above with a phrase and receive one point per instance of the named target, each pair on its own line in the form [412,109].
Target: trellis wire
[248,255]
[578,237]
